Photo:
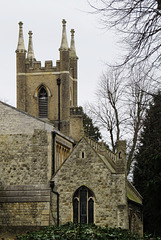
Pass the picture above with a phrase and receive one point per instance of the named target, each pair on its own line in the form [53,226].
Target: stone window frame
[43,102]
[82,154]
[90,196]
[36,96]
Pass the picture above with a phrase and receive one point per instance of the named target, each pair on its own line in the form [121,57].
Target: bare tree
[120,106]
[107,110]
[137,99]
[140,23]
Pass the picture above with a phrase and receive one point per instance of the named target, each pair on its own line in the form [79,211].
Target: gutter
[53,158]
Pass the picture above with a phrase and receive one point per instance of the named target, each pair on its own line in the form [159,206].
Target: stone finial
[72,45]
[64,42]
[20,46]
[30,53]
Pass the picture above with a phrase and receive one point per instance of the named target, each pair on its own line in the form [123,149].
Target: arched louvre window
[43,103]
[83,206]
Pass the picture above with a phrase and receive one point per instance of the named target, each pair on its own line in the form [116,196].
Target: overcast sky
[94,46]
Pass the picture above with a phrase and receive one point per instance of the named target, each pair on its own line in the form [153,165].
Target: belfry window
[43,103]
[83,206]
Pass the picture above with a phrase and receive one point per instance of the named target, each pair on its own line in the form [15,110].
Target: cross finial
[64,22]
[30,34]
[20,24]
[72,32]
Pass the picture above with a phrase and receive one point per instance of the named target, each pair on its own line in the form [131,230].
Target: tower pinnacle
[30,53]
[64,42]
[20,46]
[72,45]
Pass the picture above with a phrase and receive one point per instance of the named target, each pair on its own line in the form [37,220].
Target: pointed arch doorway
[83,206]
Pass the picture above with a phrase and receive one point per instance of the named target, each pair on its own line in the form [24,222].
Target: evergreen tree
[147,170]
[90,129]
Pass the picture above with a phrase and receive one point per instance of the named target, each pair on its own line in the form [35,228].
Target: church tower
[50,92]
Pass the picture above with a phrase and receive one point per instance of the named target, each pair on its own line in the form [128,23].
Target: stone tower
[50,92]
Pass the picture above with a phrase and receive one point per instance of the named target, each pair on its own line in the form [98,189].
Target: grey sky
[94,46]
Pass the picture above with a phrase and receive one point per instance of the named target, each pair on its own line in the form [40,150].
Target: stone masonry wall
[135,218]
[33,82]
[24,214]
[25,170]
[110,205]
[25,148]
[24,158]
[18,218]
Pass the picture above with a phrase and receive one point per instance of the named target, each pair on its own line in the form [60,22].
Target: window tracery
[83,206]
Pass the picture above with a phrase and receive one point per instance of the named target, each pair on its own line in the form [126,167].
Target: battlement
[100,147]
[37,67]
[76,111]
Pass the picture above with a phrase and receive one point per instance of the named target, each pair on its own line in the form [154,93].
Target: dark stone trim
[33,193]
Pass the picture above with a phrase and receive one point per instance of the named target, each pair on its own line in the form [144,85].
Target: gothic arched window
[43,103]
[83,206]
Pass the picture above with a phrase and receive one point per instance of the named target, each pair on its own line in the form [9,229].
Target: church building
[50,172]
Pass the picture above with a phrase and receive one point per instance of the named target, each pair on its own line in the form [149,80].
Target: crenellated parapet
[100,147]
[27,63]
[117,160]
[76,123]
[68,57]
[76,111]
[36,66]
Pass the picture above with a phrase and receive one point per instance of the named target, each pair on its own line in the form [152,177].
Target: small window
[120,155]
[82,154]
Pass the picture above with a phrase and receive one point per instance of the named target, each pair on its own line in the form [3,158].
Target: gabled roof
[107,163]
[96,147]
[45,123]
[16,109]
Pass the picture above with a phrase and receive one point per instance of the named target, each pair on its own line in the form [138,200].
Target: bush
[72,231]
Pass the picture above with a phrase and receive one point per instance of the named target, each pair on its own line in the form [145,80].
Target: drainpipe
[58,83]
[52,184]
[53,166]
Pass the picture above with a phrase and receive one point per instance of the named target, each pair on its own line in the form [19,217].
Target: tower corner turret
[30,52]
[20,45]
[20,68]
[64,49]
